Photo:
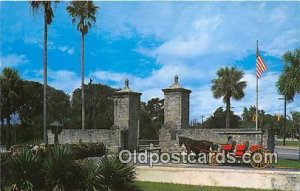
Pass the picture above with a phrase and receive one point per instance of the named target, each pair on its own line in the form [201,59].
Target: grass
[288,163]
[155,186]
[288,143]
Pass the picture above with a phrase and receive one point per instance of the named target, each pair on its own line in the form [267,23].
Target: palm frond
[83,13]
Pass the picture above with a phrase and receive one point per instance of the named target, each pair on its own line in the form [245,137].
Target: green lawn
[289,163]
[288,143]
[153,186]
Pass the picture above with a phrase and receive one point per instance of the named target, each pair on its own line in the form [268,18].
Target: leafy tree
[217,120]
[152,117]
[295,123]
[288,83]
[83,14]
[100,106]
[31,110]
[46,7]
[249,117]
[228,85]
[11,88]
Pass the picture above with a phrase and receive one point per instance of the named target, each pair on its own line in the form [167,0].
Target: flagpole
[256,115]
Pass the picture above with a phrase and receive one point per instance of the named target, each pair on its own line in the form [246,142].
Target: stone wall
[123,134]
[168,138]
[271,179]
[110,138]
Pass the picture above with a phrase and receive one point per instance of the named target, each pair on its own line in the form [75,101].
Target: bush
[54,167]
[85,150]
[61,171]
[80,151]
[89,170]
[114,174]
[23,170]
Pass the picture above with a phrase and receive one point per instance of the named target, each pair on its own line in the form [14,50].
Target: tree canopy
[288,83]
[228,84]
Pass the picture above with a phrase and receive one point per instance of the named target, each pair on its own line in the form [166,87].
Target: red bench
[240,150]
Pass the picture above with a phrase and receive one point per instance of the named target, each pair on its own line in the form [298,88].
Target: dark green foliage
[115,175]
[90,175]
[60,169]
[79,151]
[249,117]
[84,150]
[288,83]
[46,7]
[152,117]
[218,120]
[228,85]
[55,168]
[31,111]
[11,98]
[99,107]
[24,170]
[83,13]
[4,169]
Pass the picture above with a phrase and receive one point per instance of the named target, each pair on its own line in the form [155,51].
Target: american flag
[260,66]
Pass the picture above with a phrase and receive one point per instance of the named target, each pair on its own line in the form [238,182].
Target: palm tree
[46,7]
[61,171]
[90,175]
[11,86]
[24,171]
[83,14]
[115,175]
[228,85]
[288,83]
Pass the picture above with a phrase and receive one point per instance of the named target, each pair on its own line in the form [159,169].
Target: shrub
[114,174]
[24,170]
[62,173]
[85,150]
[80,151]
[89,170]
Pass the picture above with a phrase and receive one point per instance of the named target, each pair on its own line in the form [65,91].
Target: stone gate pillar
[127,115]
[177,104]
[176,115]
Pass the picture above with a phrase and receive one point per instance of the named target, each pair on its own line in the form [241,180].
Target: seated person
[229,140]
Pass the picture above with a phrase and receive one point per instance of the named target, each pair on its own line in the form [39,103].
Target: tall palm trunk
[227,113]
[8,132]
[82,84]
[45,79]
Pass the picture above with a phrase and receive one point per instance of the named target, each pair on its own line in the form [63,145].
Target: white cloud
[67,49]
[13,60]
[186,30]
[64,80]
[202,101]
[51,45]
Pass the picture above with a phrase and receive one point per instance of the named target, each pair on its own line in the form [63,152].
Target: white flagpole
[256,115]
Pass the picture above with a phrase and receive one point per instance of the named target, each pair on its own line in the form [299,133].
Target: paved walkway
[287,152]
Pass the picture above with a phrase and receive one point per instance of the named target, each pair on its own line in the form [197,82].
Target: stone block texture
[110,138]
[169,144]
[127,115]
[177,104]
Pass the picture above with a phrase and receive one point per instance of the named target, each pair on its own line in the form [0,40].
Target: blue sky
[150,42]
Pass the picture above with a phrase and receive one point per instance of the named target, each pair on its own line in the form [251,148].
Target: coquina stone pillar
[177,104]
[176,116]
[127,115]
